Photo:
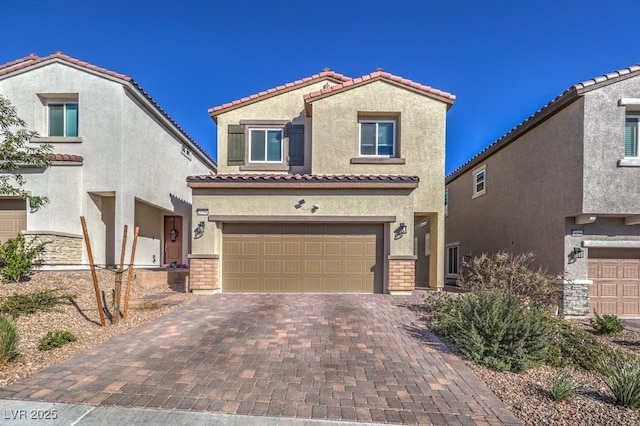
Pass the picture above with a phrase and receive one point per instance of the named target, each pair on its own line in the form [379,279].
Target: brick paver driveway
[343,357]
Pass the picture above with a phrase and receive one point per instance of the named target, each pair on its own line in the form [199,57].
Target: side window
[62,119]
[452,260]
[377,138]
[631,135]
[479,181]
[446,202]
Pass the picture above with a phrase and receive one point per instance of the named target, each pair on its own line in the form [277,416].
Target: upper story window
[62,119]
[266,145]
[480,181]
[632,122]
[378,138]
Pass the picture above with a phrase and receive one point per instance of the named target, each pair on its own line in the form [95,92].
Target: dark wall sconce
[578,253]
[400,231]
[199,231]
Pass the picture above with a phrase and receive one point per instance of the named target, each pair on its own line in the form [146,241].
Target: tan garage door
[311,258]
[13,218]
[616,281]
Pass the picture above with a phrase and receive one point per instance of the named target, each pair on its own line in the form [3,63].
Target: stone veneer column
[203,273]
[402,274]
[575,297]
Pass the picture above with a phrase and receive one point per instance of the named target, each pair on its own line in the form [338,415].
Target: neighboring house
[564,184]
[119,160]
[322,183]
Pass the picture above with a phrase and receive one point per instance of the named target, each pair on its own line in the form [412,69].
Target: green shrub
[606,324]
[29,303]
[56,339]
[8,340]
[623,378]
[497,330]
[563,387]
[572,346]
[510,274]
[18,258]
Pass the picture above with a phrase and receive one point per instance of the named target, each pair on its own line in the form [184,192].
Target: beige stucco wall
[421,137]
[128,153]
[531,186]
[287,106]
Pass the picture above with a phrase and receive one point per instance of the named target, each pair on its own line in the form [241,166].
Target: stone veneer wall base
[402,274]
[575,297]
[203,273]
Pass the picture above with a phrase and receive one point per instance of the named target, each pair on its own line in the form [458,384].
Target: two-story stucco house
[322,184]
[564,184]
[119,160]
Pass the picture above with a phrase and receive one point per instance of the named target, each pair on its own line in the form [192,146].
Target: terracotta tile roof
[326,74]
[33,60]
[549,109]
[384,76]
[301,178]
[66,157]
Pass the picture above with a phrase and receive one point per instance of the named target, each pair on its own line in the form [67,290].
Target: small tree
[16,153]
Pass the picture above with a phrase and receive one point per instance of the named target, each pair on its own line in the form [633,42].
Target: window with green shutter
[631,135]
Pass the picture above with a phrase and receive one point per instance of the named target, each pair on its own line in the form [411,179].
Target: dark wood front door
[172,239]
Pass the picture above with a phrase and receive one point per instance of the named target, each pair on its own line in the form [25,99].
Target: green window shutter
[631,137]
[235,145]
[295,133]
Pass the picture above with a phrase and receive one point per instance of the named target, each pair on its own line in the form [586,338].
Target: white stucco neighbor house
[119,159]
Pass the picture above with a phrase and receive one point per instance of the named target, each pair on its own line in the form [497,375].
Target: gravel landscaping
[80,317]
[527,394]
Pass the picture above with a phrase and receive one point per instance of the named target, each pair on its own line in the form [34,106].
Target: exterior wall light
[403,228]
[199,231]
[314,208]
[578,253]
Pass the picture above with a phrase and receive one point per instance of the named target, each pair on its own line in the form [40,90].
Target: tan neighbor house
[321,186]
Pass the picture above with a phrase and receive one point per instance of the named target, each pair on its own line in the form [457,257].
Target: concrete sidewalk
[28,412]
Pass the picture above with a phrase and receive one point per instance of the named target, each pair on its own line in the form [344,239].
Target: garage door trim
[304,219]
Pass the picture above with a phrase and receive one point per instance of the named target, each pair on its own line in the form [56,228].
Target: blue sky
[502,59]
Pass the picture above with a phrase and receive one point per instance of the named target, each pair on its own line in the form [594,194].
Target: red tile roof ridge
[252,177]
[66,157]
[281,88]
[377,75]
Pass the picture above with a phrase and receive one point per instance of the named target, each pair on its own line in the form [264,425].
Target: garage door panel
[616,281]
[302,257]
[272,266]
[250,248]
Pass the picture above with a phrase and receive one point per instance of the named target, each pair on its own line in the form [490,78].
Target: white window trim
[635,114]
[63,102]
[369,121]
[186,152]
[474,174]
[266,129]
[447,264]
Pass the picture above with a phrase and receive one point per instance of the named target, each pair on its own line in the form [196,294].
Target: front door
[172,239]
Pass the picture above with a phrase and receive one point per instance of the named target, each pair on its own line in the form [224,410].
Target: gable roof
[33,61]
[342,83]
[327,74]
[548,110]
[380,75]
